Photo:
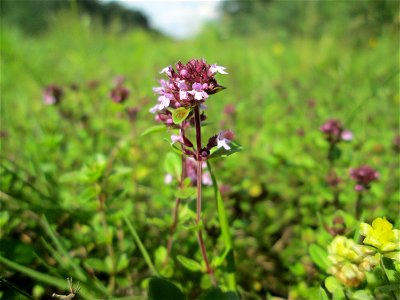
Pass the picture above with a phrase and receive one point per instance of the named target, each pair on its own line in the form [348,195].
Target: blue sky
[179,18]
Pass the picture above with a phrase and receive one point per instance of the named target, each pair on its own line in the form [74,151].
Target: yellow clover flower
[381,235]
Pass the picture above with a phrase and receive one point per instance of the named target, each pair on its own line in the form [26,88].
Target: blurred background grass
[291,64]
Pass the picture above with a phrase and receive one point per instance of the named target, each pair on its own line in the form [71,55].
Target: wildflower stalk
[197,121]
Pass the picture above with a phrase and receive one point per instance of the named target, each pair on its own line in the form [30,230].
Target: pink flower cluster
[334,131]
[186,86]
[363,175]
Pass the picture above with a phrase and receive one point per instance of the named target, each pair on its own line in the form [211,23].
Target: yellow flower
[343,249]
[381,235]
[349,261]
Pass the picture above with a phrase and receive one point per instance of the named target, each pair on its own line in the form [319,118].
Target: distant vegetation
[34,16]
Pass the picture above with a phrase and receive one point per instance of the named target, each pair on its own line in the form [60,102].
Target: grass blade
[226,235]
[142,248]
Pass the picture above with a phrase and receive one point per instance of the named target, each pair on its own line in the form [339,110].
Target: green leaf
[214,293]
[122,263]
[319,256]
[154,129]
[97,264]
[362,295]
[388,288]
[222,152]
[179,115]
[162,289]
[189,263]
[322,294]
[185,193]
[334,153]
[173,165]
[217,261]
[334,287]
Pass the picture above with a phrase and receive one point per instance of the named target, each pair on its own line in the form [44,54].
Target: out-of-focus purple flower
[52,94]
[119,94]
[363,176]
[168,178]
[346,135]
[119,80]
[334,131]
[132,113]
[191,172]
[229,109]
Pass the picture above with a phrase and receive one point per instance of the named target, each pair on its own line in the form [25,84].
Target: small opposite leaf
[162,289]
[179,115]
[189,263]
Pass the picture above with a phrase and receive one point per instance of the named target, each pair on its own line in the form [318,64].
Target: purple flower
[346,135]
[191,172]
[176,138]
[52,94]
[224,138]
[363,176]
[334,131]
[119,94]
[198,92]
[214,69]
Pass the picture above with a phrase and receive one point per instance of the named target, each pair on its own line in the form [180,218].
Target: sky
[179,18]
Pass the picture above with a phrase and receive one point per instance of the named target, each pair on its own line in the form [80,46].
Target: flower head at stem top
[187,85]
[363,175]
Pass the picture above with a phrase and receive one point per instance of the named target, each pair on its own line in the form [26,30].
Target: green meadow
[82,188]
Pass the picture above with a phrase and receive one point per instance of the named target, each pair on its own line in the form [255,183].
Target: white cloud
[179,18]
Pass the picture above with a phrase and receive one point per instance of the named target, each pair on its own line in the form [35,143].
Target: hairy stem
[197,121]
